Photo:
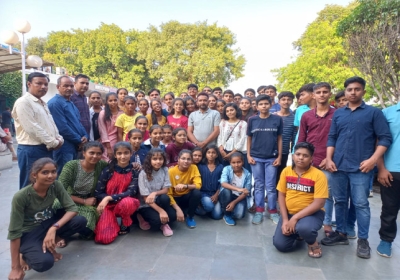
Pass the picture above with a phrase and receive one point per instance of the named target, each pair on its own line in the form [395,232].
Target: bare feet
[24,265]
[57,256]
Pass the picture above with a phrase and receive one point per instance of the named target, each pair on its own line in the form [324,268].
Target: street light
[11,38]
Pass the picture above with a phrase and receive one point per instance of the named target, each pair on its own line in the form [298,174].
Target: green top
[29,210]
[69,175]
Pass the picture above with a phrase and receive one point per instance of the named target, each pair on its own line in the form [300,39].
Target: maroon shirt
[173,152]
[315,130]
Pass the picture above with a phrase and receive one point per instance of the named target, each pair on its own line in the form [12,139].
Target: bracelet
[84,201]
[187,186]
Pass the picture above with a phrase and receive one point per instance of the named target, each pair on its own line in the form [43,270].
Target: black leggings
[189,201]
[153,217]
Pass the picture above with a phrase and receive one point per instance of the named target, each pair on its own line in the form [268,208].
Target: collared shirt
[354,133]
[204,123]
[83,107]
[34,123]
[392,115]
[315,129]
[66,116]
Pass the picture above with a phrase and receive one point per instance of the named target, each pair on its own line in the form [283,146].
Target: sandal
[252,209]
[311,250]
[62,243]
[123,230]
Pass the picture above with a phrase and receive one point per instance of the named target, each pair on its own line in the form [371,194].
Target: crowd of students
[154,161]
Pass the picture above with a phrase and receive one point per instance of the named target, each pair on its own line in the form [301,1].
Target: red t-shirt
[182,121]
[173,152]
[315,130]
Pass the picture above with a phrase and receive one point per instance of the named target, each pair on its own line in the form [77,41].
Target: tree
[177,54]
[372,39]
[321,57]
[11,85]
[35,46]
[108,55]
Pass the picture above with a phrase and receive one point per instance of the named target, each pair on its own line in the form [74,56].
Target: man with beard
[203,128]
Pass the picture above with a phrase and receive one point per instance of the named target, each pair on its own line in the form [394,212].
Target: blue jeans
[27,155]
[306,228]
[209,207]
[66,153]
[329,201]
[356,186]
[225,197]
[264,174]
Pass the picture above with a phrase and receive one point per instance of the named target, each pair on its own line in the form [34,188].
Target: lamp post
[11,38]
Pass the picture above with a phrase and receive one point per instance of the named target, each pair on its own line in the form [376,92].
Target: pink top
[108,130]
[182,121]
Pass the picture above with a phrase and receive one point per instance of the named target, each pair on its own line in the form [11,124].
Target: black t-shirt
[6,117]
[95,125]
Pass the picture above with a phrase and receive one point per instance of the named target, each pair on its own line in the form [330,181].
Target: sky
[265,29]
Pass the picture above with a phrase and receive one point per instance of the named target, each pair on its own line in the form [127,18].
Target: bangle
[187,186]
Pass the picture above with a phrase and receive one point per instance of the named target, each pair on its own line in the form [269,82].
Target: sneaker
[334,223]
[274,217]
[363,249]
[371,194]
[335,238]
[384,249]
[351,233]
[258,218]
[229,220]
[143,224]
[190,222]
[166,230]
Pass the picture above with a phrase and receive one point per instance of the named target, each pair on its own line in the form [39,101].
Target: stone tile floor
[211,251]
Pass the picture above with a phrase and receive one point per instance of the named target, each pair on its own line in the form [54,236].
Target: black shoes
[335,238]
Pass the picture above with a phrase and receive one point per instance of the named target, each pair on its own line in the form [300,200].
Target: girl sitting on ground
[303,190]
[115,191]
[34,228]
[236,187]
[210,170]
[185,190]
[155,211]
[79,178]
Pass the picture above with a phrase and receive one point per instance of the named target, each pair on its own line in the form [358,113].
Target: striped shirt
[288,133]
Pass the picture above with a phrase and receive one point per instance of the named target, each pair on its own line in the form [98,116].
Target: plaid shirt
[83,107]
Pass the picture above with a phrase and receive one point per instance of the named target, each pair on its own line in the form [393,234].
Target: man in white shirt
[37,134]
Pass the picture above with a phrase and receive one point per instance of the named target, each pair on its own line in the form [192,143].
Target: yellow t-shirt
[192,176]
[126,123]
[162,123]
[301,191]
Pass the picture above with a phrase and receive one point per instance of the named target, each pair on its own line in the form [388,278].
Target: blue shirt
[288,133]
[67,119]
[210,181]
[264,135]
[354,134]
[83,108]
[139,156]
[392,160]
[227,177]
[275,108]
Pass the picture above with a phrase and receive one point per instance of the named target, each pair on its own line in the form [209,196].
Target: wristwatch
[56,225]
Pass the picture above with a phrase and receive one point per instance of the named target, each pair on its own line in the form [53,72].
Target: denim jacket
[227,177]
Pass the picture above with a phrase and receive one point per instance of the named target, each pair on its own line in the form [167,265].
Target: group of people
[96,168]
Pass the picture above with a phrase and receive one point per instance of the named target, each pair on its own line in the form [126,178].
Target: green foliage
[371,37]
[108,55]
[169,57]
[11,85]
[321,57]
[177,54]
[35,46]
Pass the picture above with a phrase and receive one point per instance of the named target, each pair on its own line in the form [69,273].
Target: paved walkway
[211,251]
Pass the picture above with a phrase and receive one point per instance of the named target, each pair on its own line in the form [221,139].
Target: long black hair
[218,160]
[153,114]
[112,163]
[107,111]
[147,167]
[183,104]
